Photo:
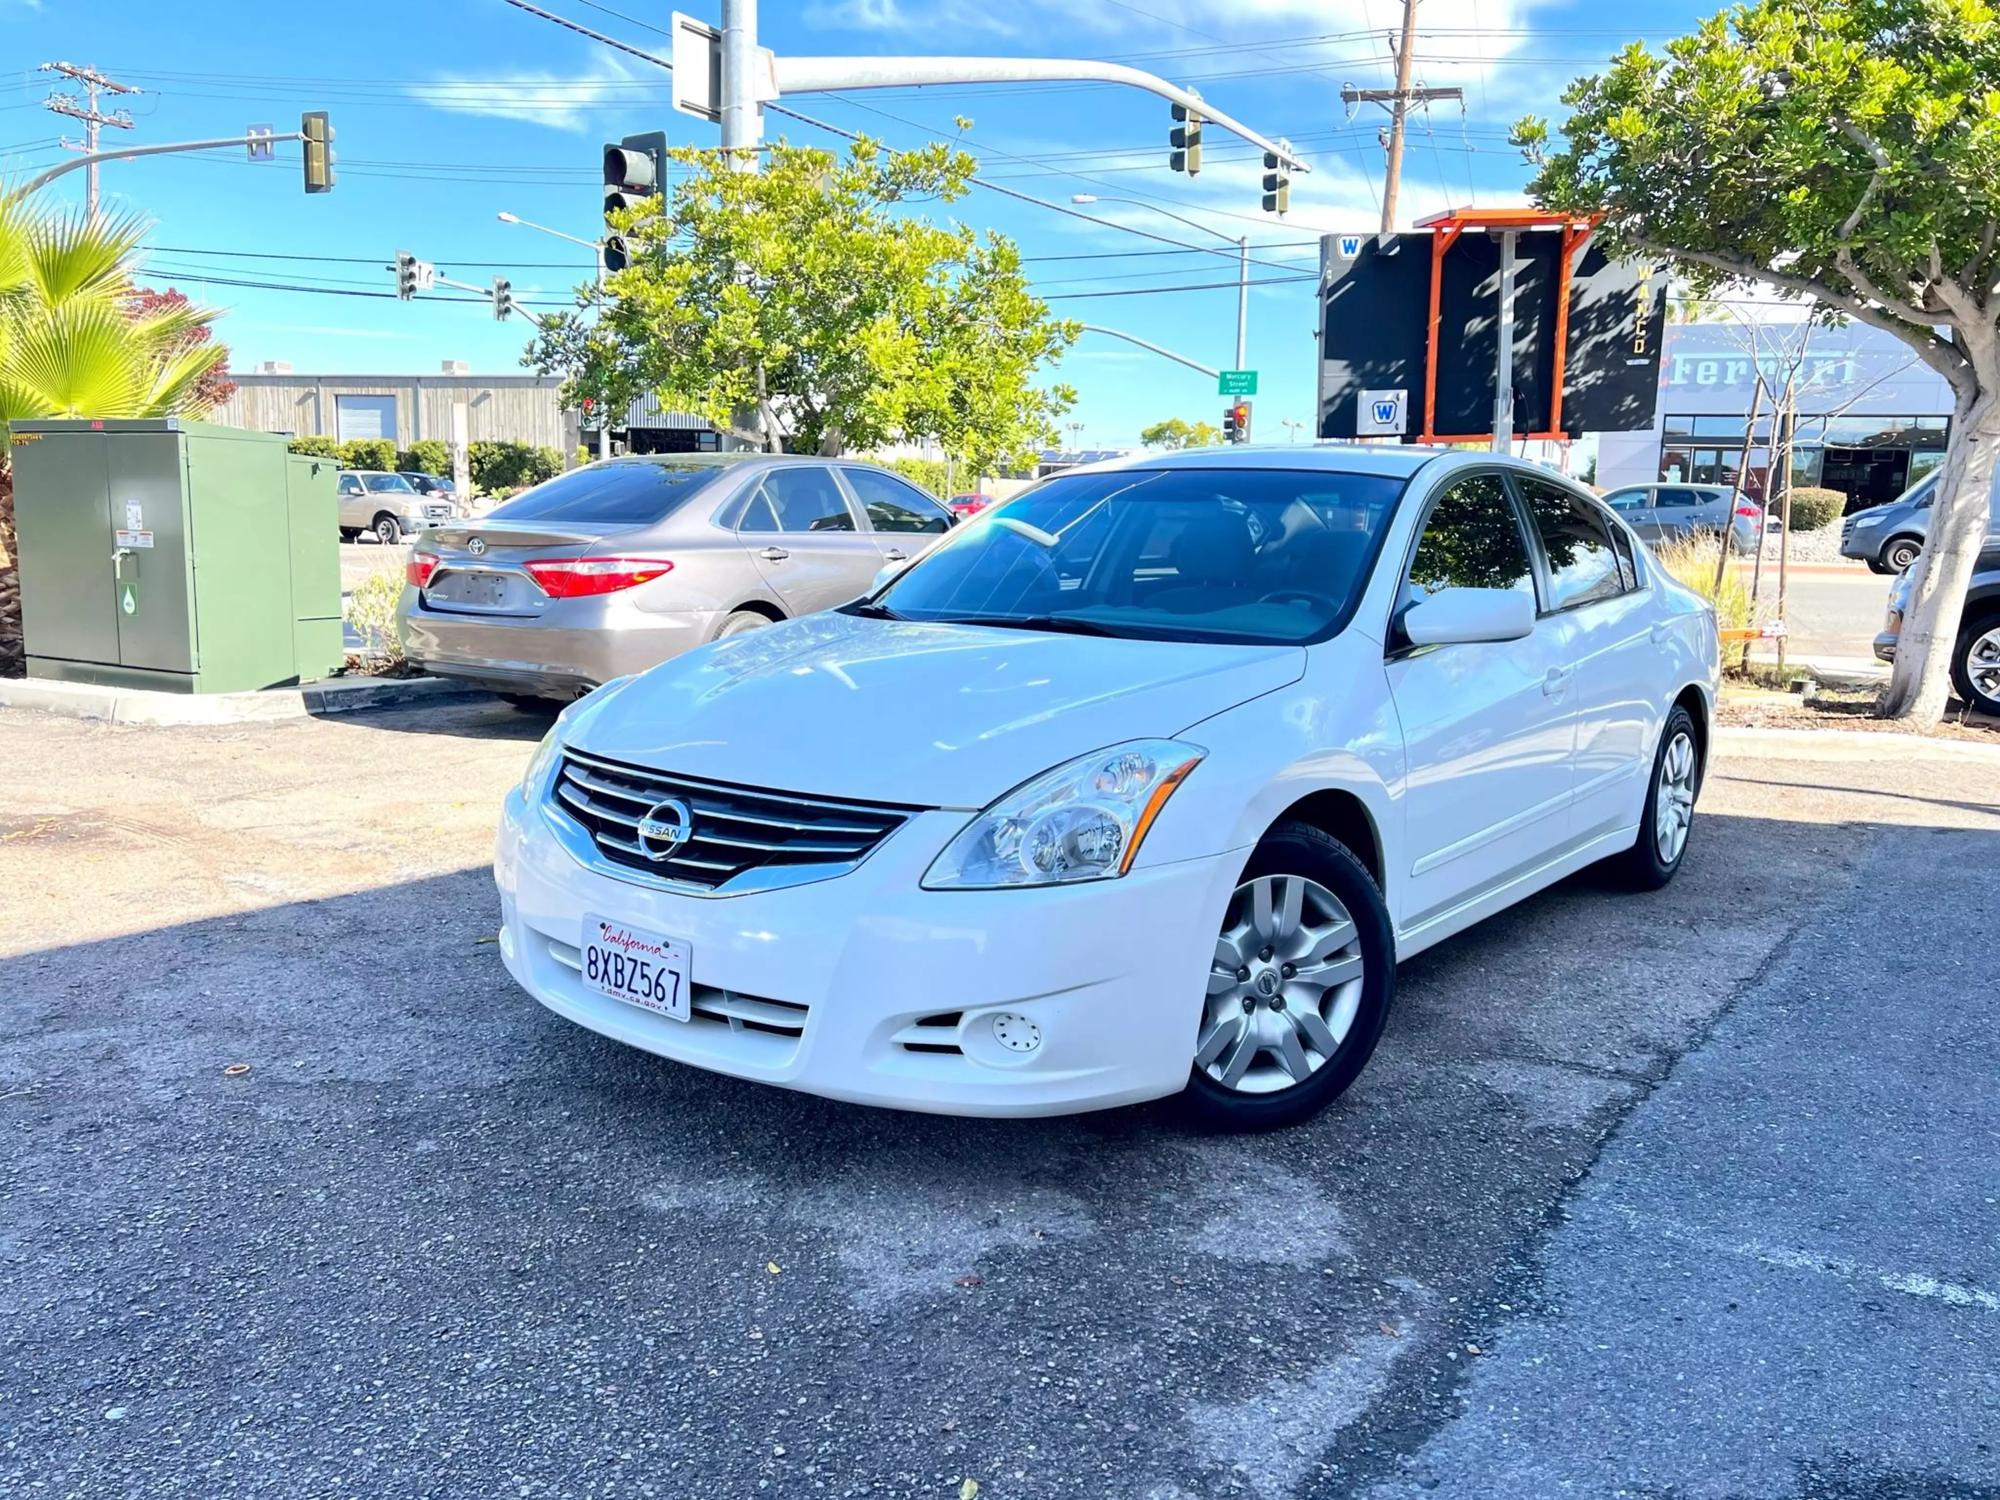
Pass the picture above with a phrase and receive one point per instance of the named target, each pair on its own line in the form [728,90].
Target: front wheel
[1299,987]
[388,530]
[1975,665]
[1663,828]
[1900,553]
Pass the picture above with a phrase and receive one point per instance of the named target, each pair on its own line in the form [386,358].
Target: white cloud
[559,101]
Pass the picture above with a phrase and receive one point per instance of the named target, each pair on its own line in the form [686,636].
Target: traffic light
[503,298]
[1277,185]
[406,275]
[634,170]
[316,150]
[1236,422]
[1186,140]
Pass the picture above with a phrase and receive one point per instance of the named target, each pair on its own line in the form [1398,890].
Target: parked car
[1662,512]
[968,504]
[385,505]
[1889,537]
[1141,782]
[1975,655]
[619,565]
[440,485]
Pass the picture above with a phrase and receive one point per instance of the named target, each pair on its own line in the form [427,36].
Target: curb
[1847,744]
[82,700]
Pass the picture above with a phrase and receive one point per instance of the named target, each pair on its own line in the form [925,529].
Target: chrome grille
[740,837]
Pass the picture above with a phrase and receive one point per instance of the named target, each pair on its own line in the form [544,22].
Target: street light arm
[805,75]
[574,239]
[1133,338]
[91,159]
[1228,239]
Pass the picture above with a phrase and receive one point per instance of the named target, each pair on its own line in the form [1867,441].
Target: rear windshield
[621,492]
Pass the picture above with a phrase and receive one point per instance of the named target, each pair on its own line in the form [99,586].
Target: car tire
[1901,552]
[1980,636]
[388,530]
[740,621]
[529,703]
[1656,855]
[350,533]
[1876,565]
[1280,992]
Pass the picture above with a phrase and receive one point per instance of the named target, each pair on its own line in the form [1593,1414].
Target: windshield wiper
[868,609]
[1058,624]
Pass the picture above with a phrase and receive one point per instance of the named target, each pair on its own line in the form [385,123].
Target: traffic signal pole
[94,157]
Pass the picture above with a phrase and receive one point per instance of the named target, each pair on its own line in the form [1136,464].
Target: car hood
[902,711]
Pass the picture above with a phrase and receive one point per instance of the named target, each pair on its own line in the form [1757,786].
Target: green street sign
[1237,383]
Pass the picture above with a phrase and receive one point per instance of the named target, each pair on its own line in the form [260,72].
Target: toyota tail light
[419,568]
[578,577]
[1745,508]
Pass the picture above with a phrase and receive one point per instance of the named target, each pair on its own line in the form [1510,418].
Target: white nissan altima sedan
[1142,782]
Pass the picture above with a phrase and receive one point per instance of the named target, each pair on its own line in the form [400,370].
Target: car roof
[1397,461]
[733,459]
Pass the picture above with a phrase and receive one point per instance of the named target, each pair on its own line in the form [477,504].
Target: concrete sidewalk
[119,705]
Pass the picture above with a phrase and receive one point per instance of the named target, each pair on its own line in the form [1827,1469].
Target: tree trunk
[1921,680]
[13,654]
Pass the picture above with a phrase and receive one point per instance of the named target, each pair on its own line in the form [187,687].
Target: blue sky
[450,111]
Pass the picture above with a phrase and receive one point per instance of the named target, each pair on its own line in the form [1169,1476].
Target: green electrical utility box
[169,554]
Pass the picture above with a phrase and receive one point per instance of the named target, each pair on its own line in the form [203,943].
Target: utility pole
[1398,101]
[85,109]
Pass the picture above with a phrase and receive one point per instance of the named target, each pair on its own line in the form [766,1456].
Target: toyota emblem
[477,546]
[666,826]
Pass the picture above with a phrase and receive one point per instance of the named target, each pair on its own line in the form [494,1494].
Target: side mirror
[1457,617]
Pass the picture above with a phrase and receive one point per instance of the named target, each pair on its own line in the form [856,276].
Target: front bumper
[1885,645]
[869,989]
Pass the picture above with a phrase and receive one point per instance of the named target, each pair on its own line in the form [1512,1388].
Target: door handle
[1555,680]
[774,554]
[118,556]
[896,555]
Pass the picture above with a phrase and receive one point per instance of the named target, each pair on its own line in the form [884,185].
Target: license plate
[641,968]
[473,588]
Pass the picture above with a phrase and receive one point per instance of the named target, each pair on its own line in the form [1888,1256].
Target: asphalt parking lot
[1685,1194]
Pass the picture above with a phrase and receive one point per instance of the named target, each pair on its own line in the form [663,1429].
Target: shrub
[369,453]
[497,466]
[1815,508]
[1691,560]
[581,457]
[371,610]
[314,445]
[426,456]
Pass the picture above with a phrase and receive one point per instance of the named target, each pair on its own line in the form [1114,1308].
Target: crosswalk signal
[316,150]
[1186,141]
[406,275]
[1277,185]
[1236,422]
[635,170]
[503,298]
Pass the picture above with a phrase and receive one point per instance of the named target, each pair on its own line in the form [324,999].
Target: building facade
[1871,418]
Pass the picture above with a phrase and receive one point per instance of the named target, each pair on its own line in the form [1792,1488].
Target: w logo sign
[1380,413]
[1385,413]
[1350,245]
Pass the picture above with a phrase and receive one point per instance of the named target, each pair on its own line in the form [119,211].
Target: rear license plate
[472,588]
[641,968]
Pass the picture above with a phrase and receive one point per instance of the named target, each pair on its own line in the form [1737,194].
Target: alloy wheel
[1284,988]
[1982,666]
[1673,806]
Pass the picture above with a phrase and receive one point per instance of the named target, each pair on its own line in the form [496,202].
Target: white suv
[1142,782]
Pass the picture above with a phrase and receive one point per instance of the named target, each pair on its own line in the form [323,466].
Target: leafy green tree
[805,305]
[77,340]
[1178,432]
[1842,150]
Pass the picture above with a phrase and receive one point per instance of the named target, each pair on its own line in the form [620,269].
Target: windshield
[1252,555]
[621,492]
[380,482]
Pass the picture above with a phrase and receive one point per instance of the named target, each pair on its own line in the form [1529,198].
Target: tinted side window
[893,505]
[1626,499]
[804,498]
[349,485]
[1471,540]
[1583,567]
[1679,499]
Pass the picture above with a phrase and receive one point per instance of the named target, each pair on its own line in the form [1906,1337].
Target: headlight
[1869,518]
[1084,820]
[540,762]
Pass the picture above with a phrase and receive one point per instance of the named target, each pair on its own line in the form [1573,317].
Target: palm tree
[75,343]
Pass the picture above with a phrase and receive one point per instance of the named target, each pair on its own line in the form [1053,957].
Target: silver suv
[1663,512]
[617,566]
[386,505]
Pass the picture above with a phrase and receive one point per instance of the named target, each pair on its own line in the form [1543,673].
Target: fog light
[1016,1033]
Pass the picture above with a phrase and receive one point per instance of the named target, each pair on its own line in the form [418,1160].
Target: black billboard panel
[1375,310]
